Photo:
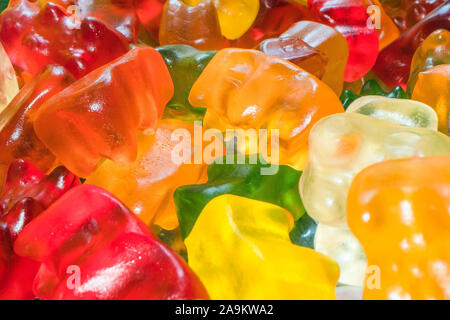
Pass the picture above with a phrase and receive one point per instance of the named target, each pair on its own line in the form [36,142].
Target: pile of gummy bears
[110,110]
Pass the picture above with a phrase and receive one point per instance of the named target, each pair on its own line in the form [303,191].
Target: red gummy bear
[100,250]
[34,38]
[350,18]
[26,193]
[17,136]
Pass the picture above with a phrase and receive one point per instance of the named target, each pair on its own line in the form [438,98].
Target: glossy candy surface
[256,259]
[328,41]
[344,144]
[225,149]
[405,112]
[257,181]
[248,89]
[26,193]
[48,36]
[147,185]
[407,13]
[111,248]
[195,25]
[17,136]
[433,51]
[394,62]
[350,18]
[98,115]
[314,47]
[388,207]
[433,88]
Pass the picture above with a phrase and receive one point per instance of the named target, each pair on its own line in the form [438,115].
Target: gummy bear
[114,254]
[147,185]
[256,259]
[50,36]
[402,205]
[386,28]
[17,136]
[248,89]
[26,193]
[99,114]
[342,145]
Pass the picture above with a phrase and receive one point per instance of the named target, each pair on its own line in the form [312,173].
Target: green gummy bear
[185,65]
[243,180]
[371,88]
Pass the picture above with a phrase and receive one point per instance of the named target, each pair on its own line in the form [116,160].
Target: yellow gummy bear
[240,249]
